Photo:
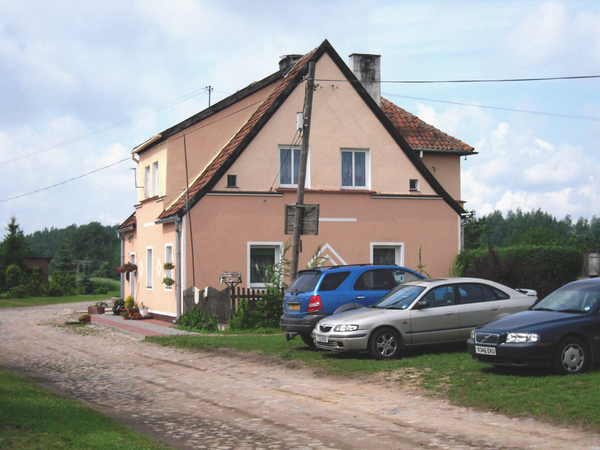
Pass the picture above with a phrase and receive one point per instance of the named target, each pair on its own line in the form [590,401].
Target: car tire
[571,357]
[385,343]
[307,339]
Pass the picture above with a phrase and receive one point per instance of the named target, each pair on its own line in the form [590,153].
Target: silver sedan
[420,312]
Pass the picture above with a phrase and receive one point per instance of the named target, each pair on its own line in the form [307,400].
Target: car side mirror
[422,304]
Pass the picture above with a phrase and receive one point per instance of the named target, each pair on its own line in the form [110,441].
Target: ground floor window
[261,256]
[387,253]
[168,260]
[149,270]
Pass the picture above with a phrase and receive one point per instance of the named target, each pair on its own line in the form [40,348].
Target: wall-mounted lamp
[130,238]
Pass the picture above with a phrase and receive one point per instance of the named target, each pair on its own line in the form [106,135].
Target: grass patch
[37,301]
[34,418]
[446,371]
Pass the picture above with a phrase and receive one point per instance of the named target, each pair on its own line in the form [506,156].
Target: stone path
[228,401]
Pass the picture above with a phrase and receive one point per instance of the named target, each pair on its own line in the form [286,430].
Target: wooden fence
[222,304]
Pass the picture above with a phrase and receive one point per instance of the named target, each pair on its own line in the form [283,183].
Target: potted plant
[85,318]
[97,308]
[118,306]
[125,315]
[168,281]
[144,311]
[168,266]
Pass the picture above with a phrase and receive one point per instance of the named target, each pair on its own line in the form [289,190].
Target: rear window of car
[402,276]
[306,282]
[332,281]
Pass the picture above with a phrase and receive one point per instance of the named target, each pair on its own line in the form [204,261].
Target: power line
[498,80]
[569,116]
[64,182]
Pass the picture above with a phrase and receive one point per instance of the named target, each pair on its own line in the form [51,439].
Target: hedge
[542,268]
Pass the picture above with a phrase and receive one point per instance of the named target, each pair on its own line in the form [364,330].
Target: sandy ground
[229,401]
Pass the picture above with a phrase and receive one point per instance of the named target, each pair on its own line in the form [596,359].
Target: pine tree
[13,250]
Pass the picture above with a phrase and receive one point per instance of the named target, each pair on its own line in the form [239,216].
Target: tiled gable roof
[421,135]
[234,143]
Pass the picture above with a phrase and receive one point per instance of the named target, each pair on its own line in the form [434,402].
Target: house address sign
[310,219]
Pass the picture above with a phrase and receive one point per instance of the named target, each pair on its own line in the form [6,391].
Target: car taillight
[314,303]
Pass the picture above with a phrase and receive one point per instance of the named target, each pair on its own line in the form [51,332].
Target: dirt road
[228,401]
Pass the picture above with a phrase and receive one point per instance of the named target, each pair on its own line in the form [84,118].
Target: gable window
[413,185]
[147,182]
[169,259]
[149,269]
[232,181]
[289,166]
[355,169]
[260,257]
[155,179]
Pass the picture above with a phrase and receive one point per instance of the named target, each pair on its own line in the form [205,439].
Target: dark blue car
[561,332]
[317,293]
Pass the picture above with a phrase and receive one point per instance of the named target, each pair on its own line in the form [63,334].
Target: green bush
[18,292]
[197,321]
[101,290]
[542,268]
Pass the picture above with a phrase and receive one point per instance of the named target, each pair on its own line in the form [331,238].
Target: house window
[169,259]
[155,182]
[232,181]
[261,256]
[355,169]
[132,276]
[413,185]
[147,182]
[149,269]
[289,166]
[387,253]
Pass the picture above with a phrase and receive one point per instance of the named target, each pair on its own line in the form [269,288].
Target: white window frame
[354,151]
[274,245]
[292,148]
[147,182]
[155,179]
[132,275]
[149,269]
[169,258]
[397,246]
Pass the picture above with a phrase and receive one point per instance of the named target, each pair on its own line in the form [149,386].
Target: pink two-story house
[215,186]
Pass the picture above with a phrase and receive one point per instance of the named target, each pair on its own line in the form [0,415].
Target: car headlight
[522,338]
[473,334]
[346,328]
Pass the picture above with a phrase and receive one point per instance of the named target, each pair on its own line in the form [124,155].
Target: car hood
[528,321]
[361,315]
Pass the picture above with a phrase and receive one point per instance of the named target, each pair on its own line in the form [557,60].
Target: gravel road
[229,401]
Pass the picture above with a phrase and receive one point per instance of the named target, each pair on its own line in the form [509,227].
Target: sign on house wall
[310,219]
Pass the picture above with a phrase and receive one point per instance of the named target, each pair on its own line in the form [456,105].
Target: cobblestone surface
[227,401]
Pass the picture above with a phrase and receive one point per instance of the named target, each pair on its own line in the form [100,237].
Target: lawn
[35,418]
[448,372]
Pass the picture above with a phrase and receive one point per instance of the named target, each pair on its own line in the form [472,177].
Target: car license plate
[320,338]
[485,350]
[294,306]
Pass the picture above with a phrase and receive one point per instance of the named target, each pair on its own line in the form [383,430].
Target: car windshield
[400,297]
[570,298]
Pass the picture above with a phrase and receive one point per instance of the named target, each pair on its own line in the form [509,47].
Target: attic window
[413,185]
[232,181]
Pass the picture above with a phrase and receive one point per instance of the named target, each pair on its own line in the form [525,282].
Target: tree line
[93,247]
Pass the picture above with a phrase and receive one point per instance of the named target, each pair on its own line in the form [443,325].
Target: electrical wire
[498,80]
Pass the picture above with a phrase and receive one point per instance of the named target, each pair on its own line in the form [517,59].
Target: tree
[64,273]
[13,250]
[474,229]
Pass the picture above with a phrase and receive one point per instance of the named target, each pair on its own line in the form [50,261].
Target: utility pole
[310,84]
[209,89]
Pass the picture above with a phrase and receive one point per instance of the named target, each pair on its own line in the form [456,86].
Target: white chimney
[368,71]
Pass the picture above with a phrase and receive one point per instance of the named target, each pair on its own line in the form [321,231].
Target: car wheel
[571,357]
[307,339]
[385,343]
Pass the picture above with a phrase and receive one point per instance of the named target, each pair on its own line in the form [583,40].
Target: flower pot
[144,312]
[86,319]
[96,309]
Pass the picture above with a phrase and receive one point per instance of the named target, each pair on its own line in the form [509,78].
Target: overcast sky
[84,82]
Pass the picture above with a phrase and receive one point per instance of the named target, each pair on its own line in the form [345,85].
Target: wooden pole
[310,83]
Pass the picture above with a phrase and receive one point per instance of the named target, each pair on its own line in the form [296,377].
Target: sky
[84,82]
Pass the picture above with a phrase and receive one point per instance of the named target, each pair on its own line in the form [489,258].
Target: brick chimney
[367,70]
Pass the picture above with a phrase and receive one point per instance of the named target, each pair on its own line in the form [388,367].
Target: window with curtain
[355,166]
[289,166]
[260,259]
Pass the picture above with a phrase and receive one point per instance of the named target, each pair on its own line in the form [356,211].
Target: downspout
[177,269]
[121,235]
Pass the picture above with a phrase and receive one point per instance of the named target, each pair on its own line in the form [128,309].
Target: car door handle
[360,297]
[495,309]
[449,314]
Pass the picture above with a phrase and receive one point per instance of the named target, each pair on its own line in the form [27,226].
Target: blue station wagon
[318,293]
